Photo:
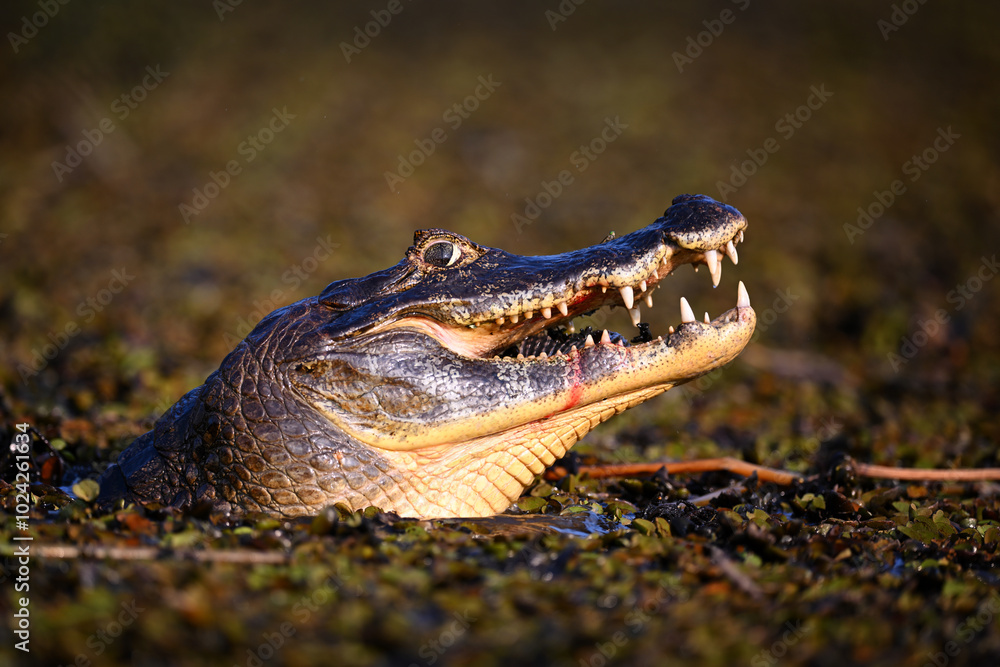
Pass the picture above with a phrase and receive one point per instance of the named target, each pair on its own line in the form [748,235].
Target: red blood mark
[575,386]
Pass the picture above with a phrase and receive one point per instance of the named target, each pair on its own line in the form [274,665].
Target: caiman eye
[442,253]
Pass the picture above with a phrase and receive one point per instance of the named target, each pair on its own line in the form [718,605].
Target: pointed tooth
[589,341]
[496,357]
[562,308]
[659,339]
[708,320]
[731,253]
[671,330]
[687,315]
[605,337]
[742,298]
[571,328]
[500,320]
[656,274]
[696,269]
[635,315]
[627,296]
[546,313]
[741,236]
[642,286]
[649,300]
[717,274]
[542,355]
[604,289]
[520,356]
[712,260]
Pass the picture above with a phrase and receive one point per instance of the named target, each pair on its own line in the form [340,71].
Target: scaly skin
[438,387]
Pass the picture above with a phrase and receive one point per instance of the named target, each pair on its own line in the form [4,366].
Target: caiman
[441,386]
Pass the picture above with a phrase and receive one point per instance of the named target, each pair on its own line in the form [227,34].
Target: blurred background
[170,173]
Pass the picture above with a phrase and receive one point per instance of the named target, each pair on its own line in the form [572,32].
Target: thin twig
[743,468]
[774,475]
[924,474]
[240,556]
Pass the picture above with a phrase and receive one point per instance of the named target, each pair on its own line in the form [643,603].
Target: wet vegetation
[253,158]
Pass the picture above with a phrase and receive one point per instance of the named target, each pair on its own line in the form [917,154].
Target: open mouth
[541,326]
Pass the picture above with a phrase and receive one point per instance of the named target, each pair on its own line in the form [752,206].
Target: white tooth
[741,236]
[649,300]
[499,320]
[542,355]
[731,253]
[562,308]
[514,319]
[712,259]
[656,274]
[742,298]
[659,338]
[642,286]
[546,313]
[670,330]
[635,315]
[627,295]
[708,320]
[520,356]
[604,289]
[589,342]
[717,274]
[696,269]
[528,314]
[605,337]
[571,328]
[687,315]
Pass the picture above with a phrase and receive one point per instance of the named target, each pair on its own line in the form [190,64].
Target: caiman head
[443,385]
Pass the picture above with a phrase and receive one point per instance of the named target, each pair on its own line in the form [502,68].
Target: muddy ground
[170,175]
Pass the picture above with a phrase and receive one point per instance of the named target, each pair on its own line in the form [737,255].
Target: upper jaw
[629,284]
